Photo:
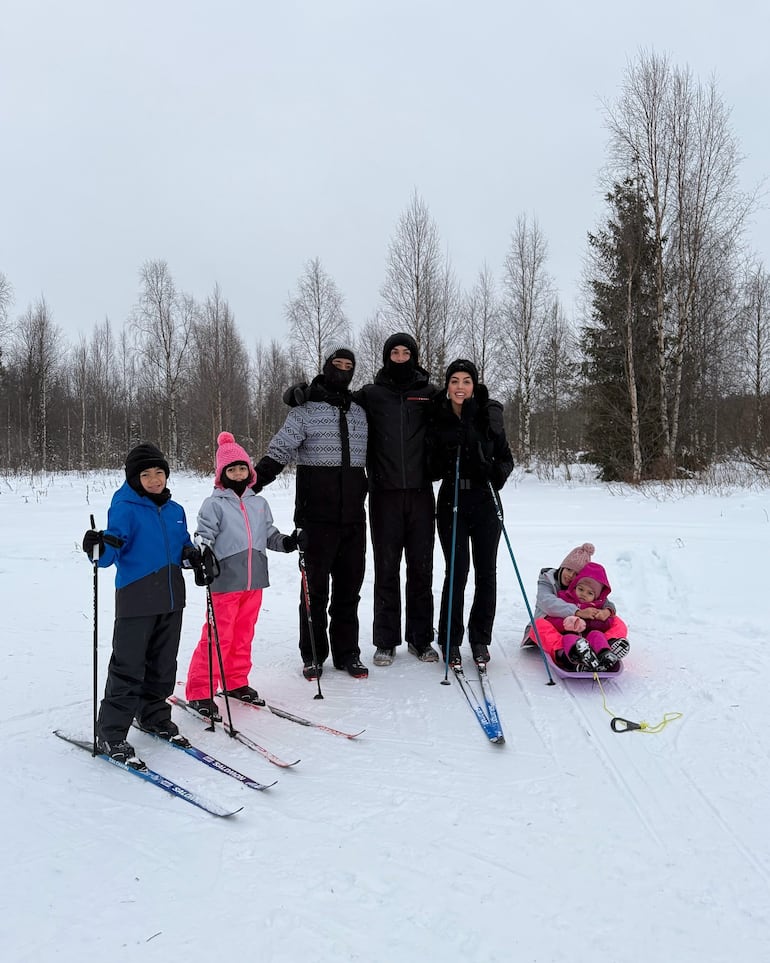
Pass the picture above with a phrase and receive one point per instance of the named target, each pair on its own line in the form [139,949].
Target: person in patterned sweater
[327,438]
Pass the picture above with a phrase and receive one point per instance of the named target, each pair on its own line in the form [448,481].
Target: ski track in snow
[419,839]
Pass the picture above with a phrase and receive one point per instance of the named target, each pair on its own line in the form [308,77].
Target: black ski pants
[335,553]
[402,523]
[141,673]
[478,534]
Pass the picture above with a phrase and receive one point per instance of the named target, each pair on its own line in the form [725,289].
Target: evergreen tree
[619,345]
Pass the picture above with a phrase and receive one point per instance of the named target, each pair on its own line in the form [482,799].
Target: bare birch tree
[369,345]
[444,321]
[164,323]
[316,317]
[529,293]
[641,126]
[673,135]
[756,344]
[219,376]
[79,372]
[556,375]
[6,300]
[481,315]
[273,372]
[415,281]
[37,344]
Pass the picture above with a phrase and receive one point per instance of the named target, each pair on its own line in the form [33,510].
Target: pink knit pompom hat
[229,452]
[579,557]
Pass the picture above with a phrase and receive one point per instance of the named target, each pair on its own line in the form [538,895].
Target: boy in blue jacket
[147,540]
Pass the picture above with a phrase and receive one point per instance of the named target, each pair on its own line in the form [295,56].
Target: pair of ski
[484,708]
[275,710]
[169,785]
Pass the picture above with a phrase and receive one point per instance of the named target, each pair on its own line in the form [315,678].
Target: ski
[492,732]
[489,700]
[211,762]
[149,775]
[235,734]
[300,720]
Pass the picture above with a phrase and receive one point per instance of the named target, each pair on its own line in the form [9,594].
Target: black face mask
[239,487]
[337,378]
[400,371]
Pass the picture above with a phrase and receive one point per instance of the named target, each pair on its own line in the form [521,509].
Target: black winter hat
[462,364]
[142,457]
[403,339]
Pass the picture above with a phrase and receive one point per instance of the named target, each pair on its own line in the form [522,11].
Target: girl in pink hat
[237,526]
[551,605]
[583,642]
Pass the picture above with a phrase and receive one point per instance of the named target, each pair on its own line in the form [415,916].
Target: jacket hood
[595,571]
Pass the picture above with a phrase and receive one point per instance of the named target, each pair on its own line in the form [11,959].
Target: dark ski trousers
[401,523]
[141,674]
[336,553]
[478,532]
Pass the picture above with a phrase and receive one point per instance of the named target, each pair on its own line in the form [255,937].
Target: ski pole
[209,634]
[212,623]
[499,512]
[94,561]
[309,616]
[445,680]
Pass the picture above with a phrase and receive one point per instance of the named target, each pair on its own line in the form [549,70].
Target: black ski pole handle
[95,549]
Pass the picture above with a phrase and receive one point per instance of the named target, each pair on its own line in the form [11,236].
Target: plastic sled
[583,675]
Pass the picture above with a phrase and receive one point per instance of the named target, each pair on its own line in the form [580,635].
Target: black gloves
[207,571]
[267,470]
[469,409]
[192,556]
[296,395]
[92,538]
[297,540]
[204,563]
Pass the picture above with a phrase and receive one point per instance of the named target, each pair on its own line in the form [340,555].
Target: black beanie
[462,364]
[143,457]
[402,339]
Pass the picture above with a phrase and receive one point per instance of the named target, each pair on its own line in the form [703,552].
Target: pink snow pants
[552,638]
[236,615]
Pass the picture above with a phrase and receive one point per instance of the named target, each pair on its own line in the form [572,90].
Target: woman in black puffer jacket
[467,424]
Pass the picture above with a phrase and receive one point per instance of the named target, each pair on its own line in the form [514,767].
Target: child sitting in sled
[550,604]
[583,641]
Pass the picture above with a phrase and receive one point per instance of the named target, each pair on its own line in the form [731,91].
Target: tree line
[664,370]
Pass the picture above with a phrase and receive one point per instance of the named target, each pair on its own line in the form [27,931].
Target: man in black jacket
[401,502]
[327,437]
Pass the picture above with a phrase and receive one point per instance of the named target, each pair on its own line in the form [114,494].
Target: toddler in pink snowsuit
[237,526]
[583,639]
[551,582]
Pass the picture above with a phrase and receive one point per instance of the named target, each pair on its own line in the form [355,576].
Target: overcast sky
[238,139]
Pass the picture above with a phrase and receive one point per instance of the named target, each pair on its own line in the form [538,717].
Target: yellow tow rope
[619,724]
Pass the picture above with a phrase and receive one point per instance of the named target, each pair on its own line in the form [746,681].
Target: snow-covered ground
[420,840]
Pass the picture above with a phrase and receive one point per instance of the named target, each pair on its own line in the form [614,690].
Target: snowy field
[420,840]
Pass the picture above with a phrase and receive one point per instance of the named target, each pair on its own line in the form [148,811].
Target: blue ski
[492,731]
[212,762]
[489,700]
[149,775]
